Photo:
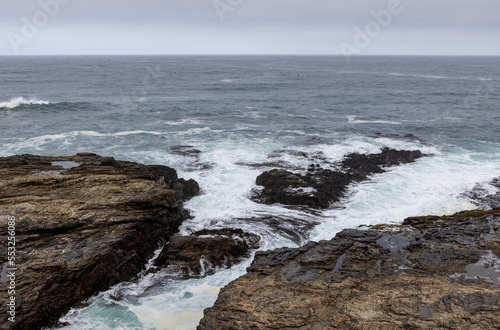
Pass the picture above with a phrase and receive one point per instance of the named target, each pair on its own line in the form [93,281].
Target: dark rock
[205,251]
[288,165]
[361,165]
[483,198]
[83,224]
[190,188]
[429,272]
[185,151]
[321,187]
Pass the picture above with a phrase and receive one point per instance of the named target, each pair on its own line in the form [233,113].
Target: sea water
[241,113]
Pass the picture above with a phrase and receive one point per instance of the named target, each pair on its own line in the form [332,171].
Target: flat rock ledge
[82,224]
[428,273]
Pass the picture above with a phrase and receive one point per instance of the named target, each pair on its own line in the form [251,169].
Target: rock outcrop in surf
[82,224]
[204,252]
[319,187]
[430,272]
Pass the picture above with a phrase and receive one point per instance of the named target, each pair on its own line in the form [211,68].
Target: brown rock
[429,273]
[205,251]
[83,223]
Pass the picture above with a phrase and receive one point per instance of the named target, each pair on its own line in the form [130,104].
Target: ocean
[245,114]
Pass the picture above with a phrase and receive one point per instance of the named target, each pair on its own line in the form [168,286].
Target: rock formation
[203,252]
[428,273]
[82,224]
[320,187]
[483,197]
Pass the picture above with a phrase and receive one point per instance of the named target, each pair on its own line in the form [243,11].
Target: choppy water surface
[240,111]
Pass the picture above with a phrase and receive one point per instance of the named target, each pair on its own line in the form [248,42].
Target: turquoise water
[249,109]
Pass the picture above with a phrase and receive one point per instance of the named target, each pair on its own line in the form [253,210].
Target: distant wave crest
[15,102]
[353,120]
[418,76]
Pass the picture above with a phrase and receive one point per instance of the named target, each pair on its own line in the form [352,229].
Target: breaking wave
[18,101]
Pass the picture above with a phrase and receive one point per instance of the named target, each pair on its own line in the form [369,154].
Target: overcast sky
[431,27]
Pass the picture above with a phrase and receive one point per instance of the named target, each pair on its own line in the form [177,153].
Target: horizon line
[263,54]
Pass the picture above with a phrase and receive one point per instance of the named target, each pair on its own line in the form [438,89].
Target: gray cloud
[461,27]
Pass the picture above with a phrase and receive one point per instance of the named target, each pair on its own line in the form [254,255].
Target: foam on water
[419,76]
[135,132]
[353,120]
[177,305]
[268,117]
[433,185]
[15,102]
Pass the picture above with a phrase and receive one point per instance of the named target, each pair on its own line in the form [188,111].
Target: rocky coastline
[82,224]
[427,273]
[85,222]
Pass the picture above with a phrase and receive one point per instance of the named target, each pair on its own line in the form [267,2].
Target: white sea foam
[189,121]
[250,114]
[196,130]
[135,132]
[419,76]
[15,102]
[438,77]
[432,185]
[353,120]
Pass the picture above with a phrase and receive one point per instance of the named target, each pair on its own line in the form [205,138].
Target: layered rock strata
[428,273]
[82,224]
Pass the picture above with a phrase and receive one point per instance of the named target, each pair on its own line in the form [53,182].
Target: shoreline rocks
[429,272]
[203,252]
[83,223]
[318,188]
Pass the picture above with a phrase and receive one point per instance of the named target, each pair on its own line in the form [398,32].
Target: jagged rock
[484,198]
[83,223]
[205,251]
[361,165]
[428,273]
[320,187]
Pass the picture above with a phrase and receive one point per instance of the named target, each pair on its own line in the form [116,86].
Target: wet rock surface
[430,272]
[319,187]
[83,223]
[295,229]
[196,163]
[486,196]
[203,252]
